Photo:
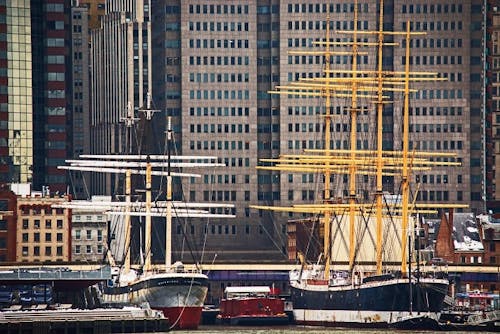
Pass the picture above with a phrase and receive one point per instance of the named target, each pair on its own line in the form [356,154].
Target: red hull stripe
[183,317]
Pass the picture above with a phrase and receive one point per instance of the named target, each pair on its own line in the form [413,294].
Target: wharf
[97,321]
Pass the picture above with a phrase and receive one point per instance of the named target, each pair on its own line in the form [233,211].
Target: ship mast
[380,162]
[168,223]
[129,121]
[148,112]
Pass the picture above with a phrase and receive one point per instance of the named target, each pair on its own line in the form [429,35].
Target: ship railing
[492,316]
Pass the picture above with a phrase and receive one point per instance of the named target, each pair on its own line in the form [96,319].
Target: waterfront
[299,330]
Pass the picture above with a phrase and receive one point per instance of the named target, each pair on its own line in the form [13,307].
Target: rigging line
[361,236]
[205,236]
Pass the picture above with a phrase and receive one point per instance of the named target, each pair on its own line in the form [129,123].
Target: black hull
[157,282]
[386,297]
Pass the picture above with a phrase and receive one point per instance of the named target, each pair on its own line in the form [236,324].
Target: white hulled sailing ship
[365,276]
[179,290]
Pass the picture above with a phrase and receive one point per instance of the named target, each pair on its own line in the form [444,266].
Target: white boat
[179,292]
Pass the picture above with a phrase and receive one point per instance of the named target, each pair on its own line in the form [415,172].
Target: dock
[97,321]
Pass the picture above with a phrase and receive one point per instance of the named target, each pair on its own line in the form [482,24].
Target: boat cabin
[237,292]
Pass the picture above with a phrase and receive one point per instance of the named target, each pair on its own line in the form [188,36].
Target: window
[48,251]
[36,251]
[77,249]
[89,249]
[25,237]
[99,235]
[25,224]
[48,236]
[36,237]
[37,223]
[78,235]
[89,234]
[48,223]
[25,251]
[59,250]
[59,223]
[99,249]
[59,237]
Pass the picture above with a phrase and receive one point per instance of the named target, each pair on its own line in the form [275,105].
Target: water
[298,330]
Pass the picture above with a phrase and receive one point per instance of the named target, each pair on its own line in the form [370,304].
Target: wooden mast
[405,172]
[168,222]
[380,162]
[328,121]
[354,129]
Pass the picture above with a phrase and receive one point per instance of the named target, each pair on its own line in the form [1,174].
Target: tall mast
[354,129]
[168,227]
[129,121]
[380,161]
[148,112]
[328,121]
[406,127]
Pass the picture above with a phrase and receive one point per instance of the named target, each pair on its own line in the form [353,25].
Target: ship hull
[180,296]
[375,304]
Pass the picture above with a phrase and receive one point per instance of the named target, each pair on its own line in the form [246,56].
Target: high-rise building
[16,94]
[52,91]
[121,79]
[214,63]
[493,105]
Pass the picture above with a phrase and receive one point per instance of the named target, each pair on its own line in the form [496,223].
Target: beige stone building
[43,232]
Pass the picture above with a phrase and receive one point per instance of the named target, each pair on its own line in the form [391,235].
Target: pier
[132,320]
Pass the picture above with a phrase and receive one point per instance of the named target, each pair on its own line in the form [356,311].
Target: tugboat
[252,306]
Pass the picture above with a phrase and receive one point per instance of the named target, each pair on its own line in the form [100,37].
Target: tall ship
[178,290]
[368,272]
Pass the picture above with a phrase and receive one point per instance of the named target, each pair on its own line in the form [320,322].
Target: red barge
[252,305]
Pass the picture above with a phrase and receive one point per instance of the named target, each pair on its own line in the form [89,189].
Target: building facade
[493,105]
[43,233]
[89,234]
[16,95]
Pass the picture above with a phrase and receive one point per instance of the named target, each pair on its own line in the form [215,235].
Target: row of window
[36,237]
[218,43]
[436,145]
[36,223]
[424,9]
[36,250]
[88,249]
[435,178]
[220,61]
[218,9]
[318,127]
[219,111]
[431,43]
[218,229]
[434,60]
[217,26]
[218,77]
[326,8]
[321,25]
[436,111]
[78,234]
[219,128]
[219,94]
[221,145]
[210,179]
[436,128]
[438,94]
[433,26]
[437,195]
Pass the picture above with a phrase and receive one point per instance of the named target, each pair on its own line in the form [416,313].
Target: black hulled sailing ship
[179,290]
[365,276]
